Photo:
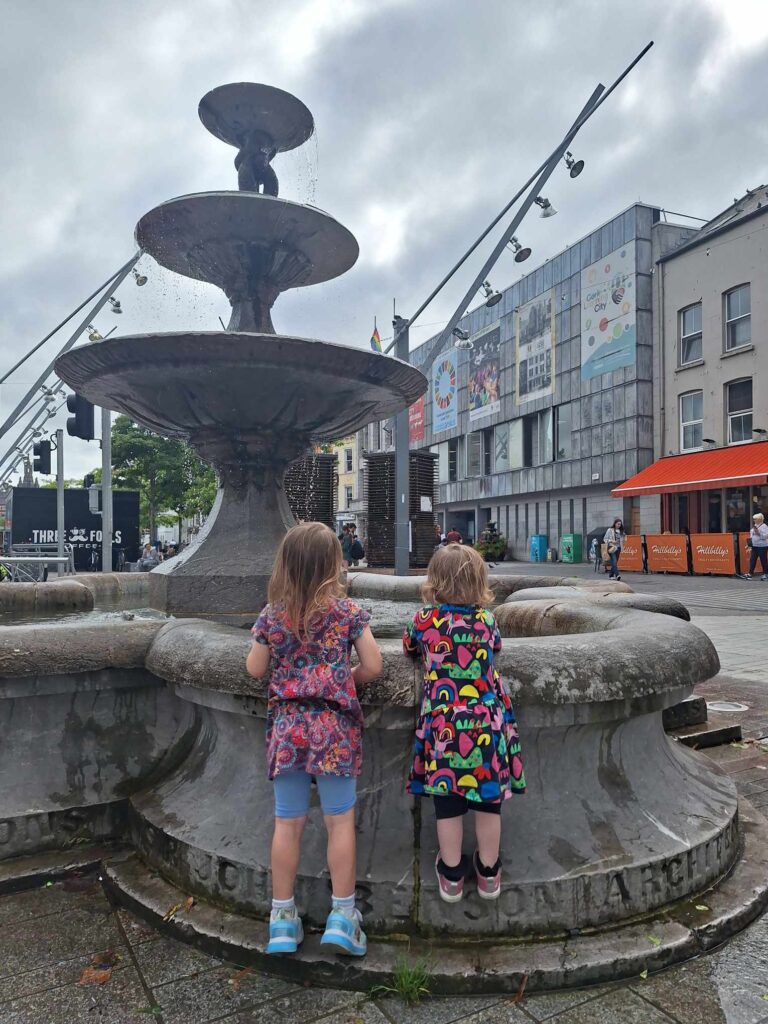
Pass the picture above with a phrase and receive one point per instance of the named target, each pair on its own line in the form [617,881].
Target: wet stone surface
[51,935]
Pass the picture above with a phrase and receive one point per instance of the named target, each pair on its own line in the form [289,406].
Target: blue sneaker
[285,932]
[344,933]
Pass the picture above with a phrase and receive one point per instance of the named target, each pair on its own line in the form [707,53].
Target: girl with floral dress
[467,751]
[304,637]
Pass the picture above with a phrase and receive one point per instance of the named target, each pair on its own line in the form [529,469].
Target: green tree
[166,473]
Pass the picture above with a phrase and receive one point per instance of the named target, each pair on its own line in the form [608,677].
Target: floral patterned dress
[466,737]
[314,719]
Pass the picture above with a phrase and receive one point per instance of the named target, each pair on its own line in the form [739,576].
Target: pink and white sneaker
[450,892]
[487,888]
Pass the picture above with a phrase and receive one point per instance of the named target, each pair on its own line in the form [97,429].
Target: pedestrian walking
[346,546]
[303,638]
[758,544]
[614,541]
[466,751]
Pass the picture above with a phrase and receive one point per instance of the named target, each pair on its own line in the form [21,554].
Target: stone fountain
[138,745]
[247,400]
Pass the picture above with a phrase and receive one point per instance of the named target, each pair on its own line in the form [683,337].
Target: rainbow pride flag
[376,340]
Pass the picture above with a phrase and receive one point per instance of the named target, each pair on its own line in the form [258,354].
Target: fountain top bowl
[232,112]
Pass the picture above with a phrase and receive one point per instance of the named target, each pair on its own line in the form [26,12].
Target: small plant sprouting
[410,980]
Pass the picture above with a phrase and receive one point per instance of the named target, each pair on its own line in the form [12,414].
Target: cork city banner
[667,552]
[444,393]
[535,357]
[485,374]
[416,421]
[608,313]
[713,553]
[631,559]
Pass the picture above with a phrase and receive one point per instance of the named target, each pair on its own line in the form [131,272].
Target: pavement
[67,956]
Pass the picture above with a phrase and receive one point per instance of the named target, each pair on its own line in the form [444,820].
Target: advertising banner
[667,552]
[608,313]
[444,393]
[416,421]
[631,559]
[485,374]
[535,349]
[713,553]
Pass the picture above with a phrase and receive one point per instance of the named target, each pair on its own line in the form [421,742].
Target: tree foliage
[167,474]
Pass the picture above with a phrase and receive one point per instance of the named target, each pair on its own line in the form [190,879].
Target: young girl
[467,752]
[304,637]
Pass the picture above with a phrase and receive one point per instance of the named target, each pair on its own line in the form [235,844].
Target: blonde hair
[306,575]
[457,574]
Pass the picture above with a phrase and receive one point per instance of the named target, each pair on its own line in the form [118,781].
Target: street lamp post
[402,469]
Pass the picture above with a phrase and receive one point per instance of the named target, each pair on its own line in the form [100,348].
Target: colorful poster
[444,393]
[535,349]
[608,313]
[485,374]
[416,421]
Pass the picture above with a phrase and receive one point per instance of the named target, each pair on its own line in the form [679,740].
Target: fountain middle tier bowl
[188,385]
[232,239]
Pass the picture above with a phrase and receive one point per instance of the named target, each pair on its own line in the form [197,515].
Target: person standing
[758,543]
[614,541]
[453,536]
[346,545]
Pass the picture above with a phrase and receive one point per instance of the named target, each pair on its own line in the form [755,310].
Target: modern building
[553,406]
[350,505]
[710,410]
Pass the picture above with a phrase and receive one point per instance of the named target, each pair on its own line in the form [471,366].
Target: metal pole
[41,415]
[106,490]
[81,327]
[402,481]
[60,525]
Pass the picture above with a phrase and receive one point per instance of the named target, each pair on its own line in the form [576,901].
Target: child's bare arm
[368,652]
[257,662]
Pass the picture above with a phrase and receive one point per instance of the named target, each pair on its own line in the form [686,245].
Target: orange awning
[736,466]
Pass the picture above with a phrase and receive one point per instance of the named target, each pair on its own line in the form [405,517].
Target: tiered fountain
[248,400]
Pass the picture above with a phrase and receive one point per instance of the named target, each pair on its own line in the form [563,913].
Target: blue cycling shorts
[338,794]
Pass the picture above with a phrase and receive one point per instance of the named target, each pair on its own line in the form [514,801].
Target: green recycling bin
[570,547]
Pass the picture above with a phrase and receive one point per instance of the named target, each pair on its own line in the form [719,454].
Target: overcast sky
[429,116]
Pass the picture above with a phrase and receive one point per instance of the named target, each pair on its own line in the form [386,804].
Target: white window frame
[349,495]
[349,462]
[736,319]
[690,423]
[739,414]
[691,336]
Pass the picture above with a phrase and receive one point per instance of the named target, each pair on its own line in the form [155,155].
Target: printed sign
[608,313]
[667,552]
[535,349]
[416,421]
[713,553]
[444,393]
[485,374]
[631,559]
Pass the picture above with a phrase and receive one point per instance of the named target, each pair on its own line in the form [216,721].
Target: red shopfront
[707,492]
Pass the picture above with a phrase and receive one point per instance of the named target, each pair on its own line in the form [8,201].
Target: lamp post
[401,326]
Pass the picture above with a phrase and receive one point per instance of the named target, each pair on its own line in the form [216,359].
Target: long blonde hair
[457,574]
[306,575]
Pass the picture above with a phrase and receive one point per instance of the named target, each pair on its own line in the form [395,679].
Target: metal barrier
[28,563]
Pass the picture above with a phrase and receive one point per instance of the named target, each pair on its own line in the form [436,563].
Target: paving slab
[52,976]
[302,1007]
[52,898]
[620,1007]
[217,993]
[122,1000]
[437,1010]
[163,960]
[548,1005]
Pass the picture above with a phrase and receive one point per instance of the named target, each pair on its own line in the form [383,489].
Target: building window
[488,451]
[690,334]
[376,442]
[501,453]
[563,432]
[738,321]
[347,460]
[691,421]
[537,438]
[453,459]
[348,497]
[739,405]
[474,453]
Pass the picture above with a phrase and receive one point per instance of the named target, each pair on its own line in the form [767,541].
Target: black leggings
[454,806]
[762,554]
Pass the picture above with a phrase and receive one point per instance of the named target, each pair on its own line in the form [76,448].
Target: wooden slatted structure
[310,486]
[380,495]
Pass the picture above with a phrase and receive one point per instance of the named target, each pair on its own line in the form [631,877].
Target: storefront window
[737,513]
[760,500]
[714,511]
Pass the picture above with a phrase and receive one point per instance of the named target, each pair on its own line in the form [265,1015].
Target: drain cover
[726,705]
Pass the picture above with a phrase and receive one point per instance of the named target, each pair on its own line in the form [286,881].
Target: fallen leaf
[739,746]
[644,974]
[237,979]
[95,976]
[653,940]
[173,911]
[154,1011]
[190,902]
[702,906]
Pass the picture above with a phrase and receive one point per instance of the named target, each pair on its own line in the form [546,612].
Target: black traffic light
[41,451]
[81,423]
[88,481]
